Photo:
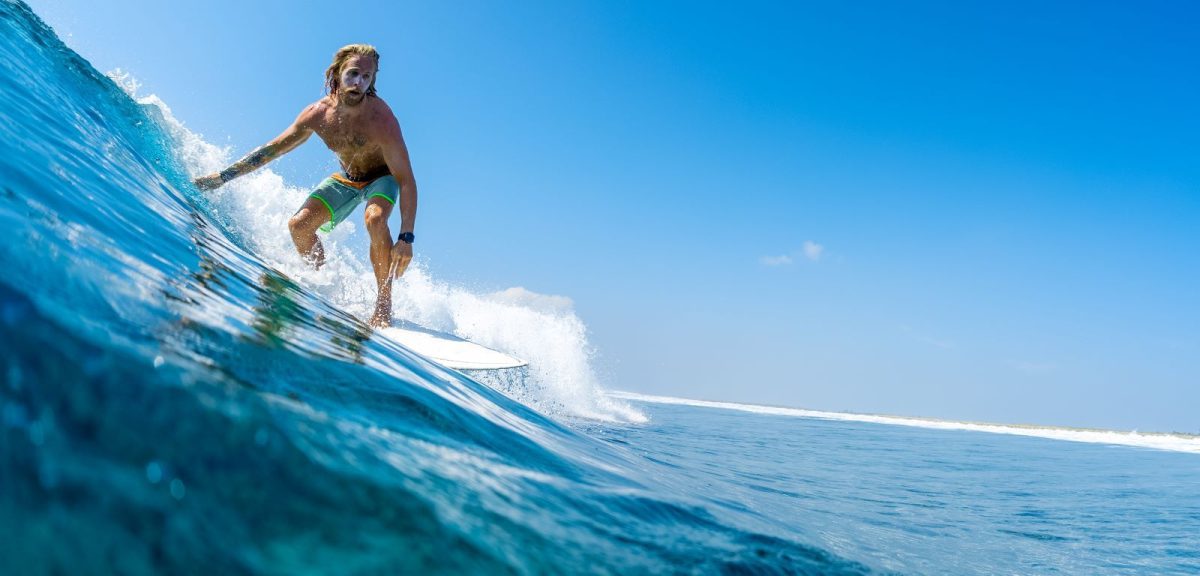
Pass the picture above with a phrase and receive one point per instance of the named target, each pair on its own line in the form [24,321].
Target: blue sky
[1000,202]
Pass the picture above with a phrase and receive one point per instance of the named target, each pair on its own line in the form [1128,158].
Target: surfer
[359,127]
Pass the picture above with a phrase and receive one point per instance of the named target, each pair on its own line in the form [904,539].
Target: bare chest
[350,138]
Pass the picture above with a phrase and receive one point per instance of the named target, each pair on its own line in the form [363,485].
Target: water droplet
[178,490]
[154,472]
[158,361]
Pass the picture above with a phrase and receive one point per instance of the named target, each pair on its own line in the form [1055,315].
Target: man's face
[357,75]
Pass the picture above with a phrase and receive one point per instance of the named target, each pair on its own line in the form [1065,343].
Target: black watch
[406,237]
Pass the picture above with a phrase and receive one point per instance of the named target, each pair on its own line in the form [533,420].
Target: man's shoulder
[320,106]
[312,114]
[378,105]
[381,113]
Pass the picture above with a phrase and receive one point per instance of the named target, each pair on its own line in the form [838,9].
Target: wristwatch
[406,237]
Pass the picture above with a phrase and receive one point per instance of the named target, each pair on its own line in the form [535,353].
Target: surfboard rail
[449,350]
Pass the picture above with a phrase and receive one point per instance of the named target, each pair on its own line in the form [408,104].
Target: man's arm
[294,136]
[395,153]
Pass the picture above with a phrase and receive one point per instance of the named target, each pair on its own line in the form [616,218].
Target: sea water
[931,497]
[180,394]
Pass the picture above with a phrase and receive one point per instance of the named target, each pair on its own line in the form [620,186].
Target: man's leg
[303,225]
[376,215]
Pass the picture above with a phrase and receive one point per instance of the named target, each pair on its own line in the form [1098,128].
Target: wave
[1155,440]
[178,394]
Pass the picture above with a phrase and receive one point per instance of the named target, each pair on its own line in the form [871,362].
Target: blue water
[177,397]
[916,500]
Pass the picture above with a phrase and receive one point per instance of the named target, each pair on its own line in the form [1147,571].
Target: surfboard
[449,350]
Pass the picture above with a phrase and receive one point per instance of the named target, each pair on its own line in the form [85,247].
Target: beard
[351,98]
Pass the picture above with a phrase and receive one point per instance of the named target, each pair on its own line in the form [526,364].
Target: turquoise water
[929,501]
[180,395]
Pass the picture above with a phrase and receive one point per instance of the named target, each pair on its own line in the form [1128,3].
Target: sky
[980,211]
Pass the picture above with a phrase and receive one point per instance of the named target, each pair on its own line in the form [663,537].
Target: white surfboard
[449,350]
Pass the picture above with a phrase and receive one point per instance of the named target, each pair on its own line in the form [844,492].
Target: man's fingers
[401,256]
[399,265]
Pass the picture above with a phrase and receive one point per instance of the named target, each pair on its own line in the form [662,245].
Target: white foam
[543,330]
[1159,441]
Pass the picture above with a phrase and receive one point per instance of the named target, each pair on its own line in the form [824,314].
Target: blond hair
[333,74]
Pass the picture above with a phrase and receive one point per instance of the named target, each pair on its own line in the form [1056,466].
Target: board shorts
[341,195]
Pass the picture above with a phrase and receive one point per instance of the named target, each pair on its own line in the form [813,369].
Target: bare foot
[382,318]
[316,258]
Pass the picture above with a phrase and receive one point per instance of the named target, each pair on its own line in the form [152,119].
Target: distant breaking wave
[1159,441]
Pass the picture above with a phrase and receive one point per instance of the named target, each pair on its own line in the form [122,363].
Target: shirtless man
[361,130]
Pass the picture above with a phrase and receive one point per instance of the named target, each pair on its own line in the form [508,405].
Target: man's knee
[376,221]
[302,222]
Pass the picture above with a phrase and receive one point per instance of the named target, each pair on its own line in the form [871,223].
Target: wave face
[180,396]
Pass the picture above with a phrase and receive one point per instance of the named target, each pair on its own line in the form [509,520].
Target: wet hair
[333,74]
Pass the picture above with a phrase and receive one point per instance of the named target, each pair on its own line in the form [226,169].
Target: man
[361,130]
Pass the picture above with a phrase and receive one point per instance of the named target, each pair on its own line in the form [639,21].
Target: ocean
[181,395]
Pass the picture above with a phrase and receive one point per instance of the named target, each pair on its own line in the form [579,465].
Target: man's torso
[352,136]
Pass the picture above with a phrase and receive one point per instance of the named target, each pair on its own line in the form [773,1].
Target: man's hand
[210,182]
[401,256]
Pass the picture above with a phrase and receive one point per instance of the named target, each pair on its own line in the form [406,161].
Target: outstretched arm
[395,153]
[294,136]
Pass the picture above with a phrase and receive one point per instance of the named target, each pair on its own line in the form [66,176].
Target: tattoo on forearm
[252,161]
[259,157]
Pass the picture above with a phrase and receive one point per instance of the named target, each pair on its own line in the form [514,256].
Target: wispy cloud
[782,260]
[810,251]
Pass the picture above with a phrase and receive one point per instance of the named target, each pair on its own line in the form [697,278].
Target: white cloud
[519,296]
[812,250]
